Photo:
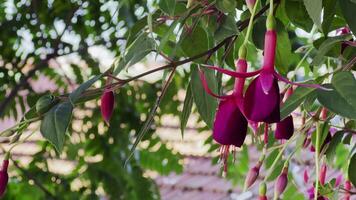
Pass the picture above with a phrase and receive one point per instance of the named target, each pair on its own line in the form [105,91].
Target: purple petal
[285,128]
[267,79]
[230,125]
[261,107]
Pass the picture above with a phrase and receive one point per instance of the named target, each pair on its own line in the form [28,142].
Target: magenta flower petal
[267,80]
[259,106]
[107,105]
[230,125]
[285,128]
[235,74]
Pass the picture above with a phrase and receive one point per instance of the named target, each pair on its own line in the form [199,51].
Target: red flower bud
[250,4]
[324,114]
[322,174]
[348,188]
[4,177]
[262,198]
[107,105]
[306,176]
[281,182]
[252,176]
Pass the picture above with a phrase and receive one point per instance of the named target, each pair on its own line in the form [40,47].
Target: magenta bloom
[285,128]
[306,176]
[230,125]
[4,177]
[107,105]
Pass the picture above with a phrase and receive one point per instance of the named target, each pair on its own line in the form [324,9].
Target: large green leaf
[348,8]
[298,96]
[167,6]
[55,123]
[226,29]
[226,6]
[328,16]
[187,109]
[335,141]
[139,49]
[326,46]
[205,103]
[342,99]
[351,169]
[196,42]
[314,8]
[297,14]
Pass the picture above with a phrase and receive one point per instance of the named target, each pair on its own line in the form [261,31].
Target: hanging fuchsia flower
[4,177]
[285,128]
[262,96]
[107,105]
[230,125]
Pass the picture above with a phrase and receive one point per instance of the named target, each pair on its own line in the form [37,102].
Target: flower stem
[317,147]
[250,24]
[271,7]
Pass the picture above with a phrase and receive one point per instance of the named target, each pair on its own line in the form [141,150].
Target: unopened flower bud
[324,114]
[347,188]
[281,183]
[107,105]
[250,4]
[322,174]
[251,177]
[306,176]
[4,177]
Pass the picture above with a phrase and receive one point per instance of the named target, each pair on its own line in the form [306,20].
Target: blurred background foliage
[36,35]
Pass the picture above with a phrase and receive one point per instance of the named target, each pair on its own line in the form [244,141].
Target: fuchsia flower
[4,177]
[107,105]
[230,125]
[348,188]
[262,97]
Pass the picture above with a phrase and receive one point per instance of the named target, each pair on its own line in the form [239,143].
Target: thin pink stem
[207,89]
[281,78]
[234,74]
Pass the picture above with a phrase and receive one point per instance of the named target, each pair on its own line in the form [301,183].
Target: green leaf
[341,100]
[324,130]
[314,8]
[167,6]
[139,49]
[326,46]
[187,109]
[55,123]
[196,42]
[351,169]
[75,95]
[328,16]
[298,96]
[335,141]
[297,13]
[348,8]
[226,6]
[205,103]
[226,28]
